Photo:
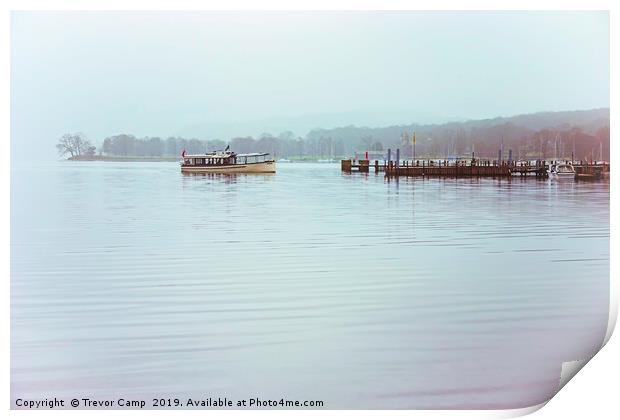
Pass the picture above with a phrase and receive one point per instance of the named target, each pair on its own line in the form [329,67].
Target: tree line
[564,135]
[283,145]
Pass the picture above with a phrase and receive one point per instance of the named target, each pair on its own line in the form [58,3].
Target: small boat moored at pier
[226,162]
[562,170]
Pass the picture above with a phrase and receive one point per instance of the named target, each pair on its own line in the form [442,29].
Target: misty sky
[221,74]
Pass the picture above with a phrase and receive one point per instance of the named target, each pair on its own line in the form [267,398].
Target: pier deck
[467,168]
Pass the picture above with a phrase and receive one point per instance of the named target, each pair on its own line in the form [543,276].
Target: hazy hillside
[544,134]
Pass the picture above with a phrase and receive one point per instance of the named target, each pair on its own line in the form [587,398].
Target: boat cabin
[210,159]
[225,158]
[564,168]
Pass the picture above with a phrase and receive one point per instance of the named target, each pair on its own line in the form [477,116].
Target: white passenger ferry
[225,162]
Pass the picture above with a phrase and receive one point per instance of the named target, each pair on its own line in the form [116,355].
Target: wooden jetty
[468,168]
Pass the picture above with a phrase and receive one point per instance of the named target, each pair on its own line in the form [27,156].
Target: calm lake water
[133,280]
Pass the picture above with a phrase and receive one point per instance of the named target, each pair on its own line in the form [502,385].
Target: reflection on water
[226,177]
[132,279]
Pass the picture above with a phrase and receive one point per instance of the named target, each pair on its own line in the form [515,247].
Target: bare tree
[75,144]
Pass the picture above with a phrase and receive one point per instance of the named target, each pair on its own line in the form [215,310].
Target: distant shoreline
[104,158]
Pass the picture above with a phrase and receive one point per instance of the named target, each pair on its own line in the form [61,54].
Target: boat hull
[247,168]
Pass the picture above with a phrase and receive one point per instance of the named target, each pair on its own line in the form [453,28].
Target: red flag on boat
[367,155]
[183,153]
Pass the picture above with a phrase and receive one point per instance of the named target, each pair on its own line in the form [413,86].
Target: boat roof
[224,154]
[252,154]
[214,154]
